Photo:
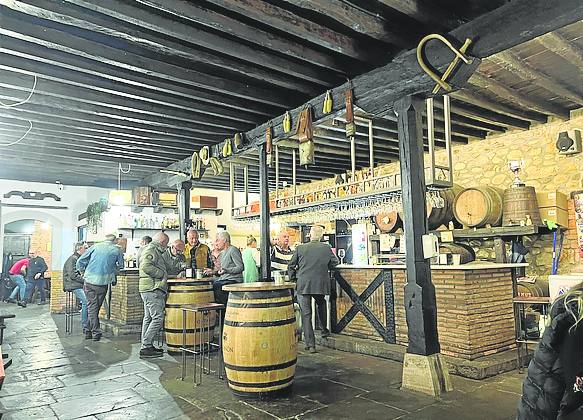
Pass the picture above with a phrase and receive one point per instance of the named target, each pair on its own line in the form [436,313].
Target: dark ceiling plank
[75,118]
[153,116]
[523,101]
[466,121]
[477,98]
[74,69]
[525,71]
[486,115]
[263,63]
[82,130]
[67,43]
[297,26]
[420,10]
[202,16]
[84,94]
[165,152]
[361,21]
[561,46]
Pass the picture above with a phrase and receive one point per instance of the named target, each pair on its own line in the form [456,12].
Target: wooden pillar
[184,207]
[264,215]
[423,368]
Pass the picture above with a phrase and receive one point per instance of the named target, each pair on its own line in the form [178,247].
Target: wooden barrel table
[259,339]
[184,291]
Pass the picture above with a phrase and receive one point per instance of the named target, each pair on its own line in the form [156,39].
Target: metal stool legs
[70,311]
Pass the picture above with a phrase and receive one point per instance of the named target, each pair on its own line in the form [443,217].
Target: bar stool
[71,311]
[204,348]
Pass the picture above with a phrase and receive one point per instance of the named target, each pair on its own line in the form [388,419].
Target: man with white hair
[156,263]
[309,266]
[231,266]
[99,265]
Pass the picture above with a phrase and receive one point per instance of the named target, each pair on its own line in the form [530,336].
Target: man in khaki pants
[309,266]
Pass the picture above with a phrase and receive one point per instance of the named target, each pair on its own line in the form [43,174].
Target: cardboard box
[168,199]
[560,284]
[142,196]
[203,202]
[555,214]
[552,199]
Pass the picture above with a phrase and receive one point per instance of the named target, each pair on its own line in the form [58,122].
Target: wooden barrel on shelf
[388,221]
[259,339]
[466,252]
[183,291]
[479,206]
[437,216]
[520,202]
[540,288]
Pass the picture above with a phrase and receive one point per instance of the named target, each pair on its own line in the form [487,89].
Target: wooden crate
[203,202]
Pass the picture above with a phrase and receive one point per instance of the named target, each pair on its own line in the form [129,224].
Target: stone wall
[41,242]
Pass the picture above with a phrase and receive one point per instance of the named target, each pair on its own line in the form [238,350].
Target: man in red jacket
[17,272]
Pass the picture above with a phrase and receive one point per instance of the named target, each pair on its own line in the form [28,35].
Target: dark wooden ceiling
[145,83]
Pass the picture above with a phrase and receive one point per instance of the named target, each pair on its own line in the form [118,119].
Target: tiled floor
[66,377]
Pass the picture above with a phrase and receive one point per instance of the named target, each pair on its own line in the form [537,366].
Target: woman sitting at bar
[553,388]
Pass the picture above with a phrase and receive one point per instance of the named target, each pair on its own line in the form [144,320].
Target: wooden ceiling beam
[128,25]
[67,68]
[283,20]
[523,101]
[476,98]
[362,21]
[113,99]
[561,46]
[66,43]
[153,116]
[519,67]
[202,16]
[487,115]
[421,11]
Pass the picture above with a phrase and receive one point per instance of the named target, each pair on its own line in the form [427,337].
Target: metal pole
[264,214]
[276,171]
[246,182]
[447,120]
[371,147]
[294,174]
[232,185]
[184,207]
[431,139]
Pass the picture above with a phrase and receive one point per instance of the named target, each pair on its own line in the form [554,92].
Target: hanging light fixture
[121,197]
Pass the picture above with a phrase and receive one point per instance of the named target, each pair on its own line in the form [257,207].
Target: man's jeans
[95,297]
[80,294]
[20,286]
[154,302]
[36,284]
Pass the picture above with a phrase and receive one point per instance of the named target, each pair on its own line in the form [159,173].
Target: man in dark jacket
[309,265]
[35,276]
[73,282]
[553,388]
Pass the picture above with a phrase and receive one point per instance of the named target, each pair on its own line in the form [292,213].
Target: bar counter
[475,314]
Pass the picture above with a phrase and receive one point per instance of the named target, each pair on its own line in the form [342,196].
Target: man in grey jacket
[231,266]
[309,266]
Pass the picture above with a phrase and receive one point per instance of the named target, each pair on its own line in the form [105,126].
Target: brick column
[57,301]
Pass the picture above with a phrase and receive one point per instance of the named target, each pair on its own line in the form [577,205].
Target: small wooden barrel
[388,221]
[184,292]
[259,339]
[437,216]
[466,252]
[518,203]
[540,288]
[479,206]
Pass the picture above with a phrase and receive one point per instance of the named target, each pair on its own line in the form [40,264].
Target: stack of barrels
[186,291]
[475,207]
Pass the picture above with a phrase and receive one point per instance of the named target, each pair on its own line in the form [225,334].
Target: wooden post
[184,207]
[246,183]
[232,186]
[264,214]
[423,368]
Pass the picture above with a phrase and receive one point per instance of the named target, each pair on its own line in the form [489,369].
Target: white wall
[63,221]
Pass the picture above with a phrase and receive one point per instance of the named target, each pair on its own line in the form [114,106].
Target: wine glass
[341,255]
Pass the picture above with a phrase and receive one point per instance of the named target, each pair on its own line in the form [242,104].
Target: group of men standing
[29,275]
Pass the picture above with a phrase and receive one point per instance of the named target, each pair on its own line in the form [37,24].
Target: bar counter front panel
[474,306]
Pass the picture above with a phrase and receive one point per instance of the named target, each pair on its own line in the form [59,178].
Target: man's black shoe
[325,333]
[88,335]
[158,350]
[22,303]
[10,300]
[97,337]
[42,303]
[149,352]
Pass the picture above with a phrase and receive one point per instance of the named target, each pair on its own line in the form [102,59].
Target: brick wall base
[58,297]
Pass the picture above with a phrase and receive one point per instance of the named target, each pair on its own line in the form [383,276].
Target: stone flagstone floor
[59,376]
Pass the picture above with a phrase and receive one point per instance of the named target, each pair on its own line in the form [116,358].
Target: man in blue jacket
[99,265]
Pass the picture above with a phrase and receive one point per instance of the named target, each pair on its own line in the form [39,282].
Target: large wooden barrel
[466,252]
[259,339]
[518,203]
[181,292]
[437,216]
[540,288]
[479,206]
